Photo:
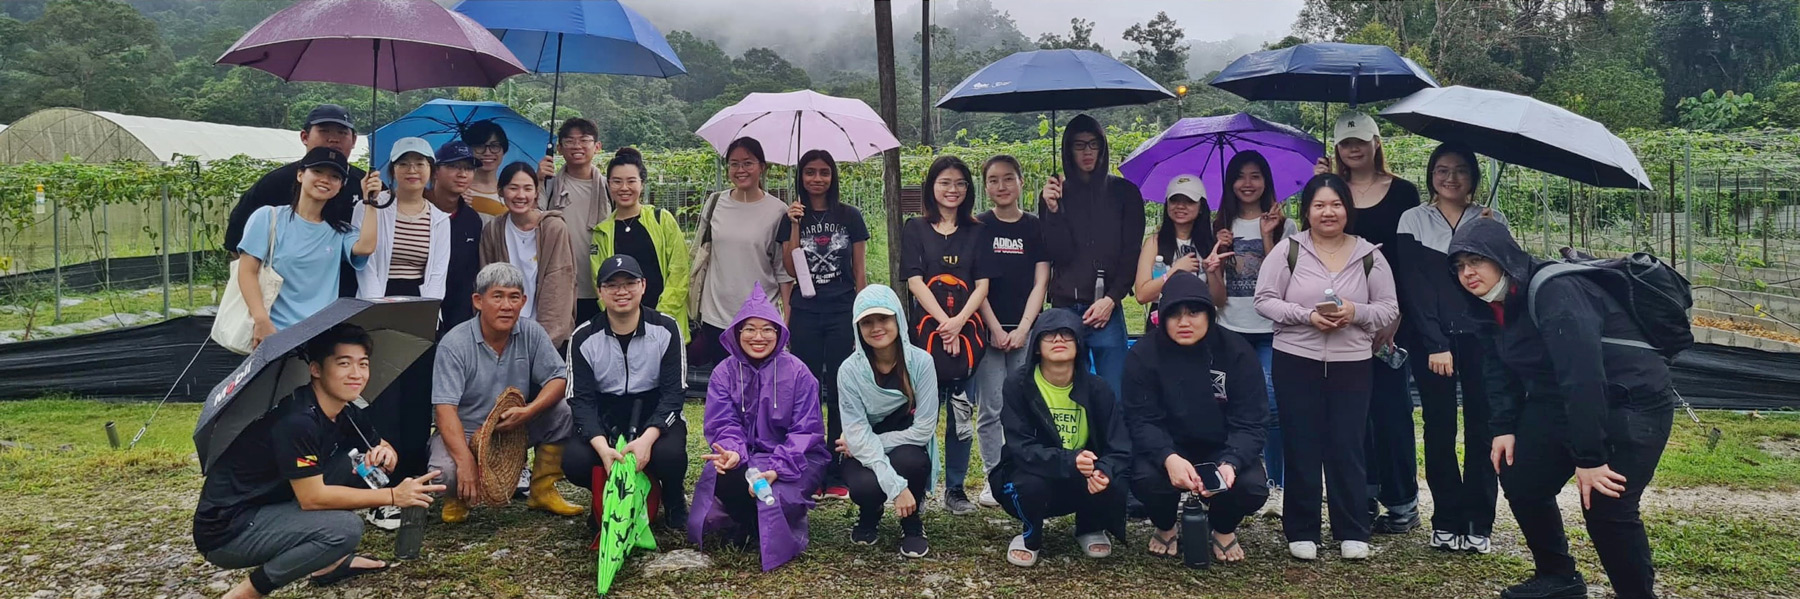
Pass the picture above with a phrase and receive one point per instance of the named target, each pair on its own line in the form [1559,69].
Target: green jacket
[671,256]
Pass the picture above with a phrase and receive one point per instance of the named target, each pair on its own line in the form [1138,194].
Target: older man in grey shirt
[476,362]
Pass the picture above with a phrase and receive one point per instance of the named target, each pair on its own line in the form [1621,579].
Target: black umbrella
[1524,131]
[402,329]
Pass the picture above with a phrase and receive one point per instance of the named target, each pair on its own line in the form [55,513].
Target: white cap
[410,145]
[1186,185]
[1354,125]
[873,310]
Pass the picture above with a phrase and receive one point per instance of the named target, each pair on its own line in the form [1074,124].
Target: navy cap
[452,152]
[619,264]
[326,157]
[329,113]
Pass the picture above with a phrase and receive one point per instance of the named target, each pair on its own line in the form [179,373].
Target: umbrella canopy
[440,121]
[577,36]
[1040,80]
[401,328]
[1204,145]
[1524,131]
[396,45]
[1324,72]
[790,124]
[626,524]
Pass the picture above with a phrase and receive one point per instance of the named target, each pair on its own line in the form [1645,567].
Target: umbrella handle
[378,204]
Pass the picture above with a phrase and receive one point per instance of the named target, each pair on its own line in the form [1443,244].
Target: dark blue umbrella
[576,36]
[401,328]
[440,121]
[1053,80]
[1204,145]
[1324,72]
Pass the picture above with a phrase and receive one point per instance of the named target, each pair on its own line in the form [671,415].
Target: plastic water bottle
[1160,269]
[803,274]
[374,476]
[760,485]
[1099,284]
[38,208]
[1195,549]
[1331,296]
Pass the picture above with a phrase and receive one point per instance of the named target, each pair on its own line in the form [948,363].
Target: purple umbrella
[1204,145]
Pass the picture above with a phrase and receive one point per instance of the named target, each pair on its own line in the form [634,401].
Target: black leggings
[668,461]
[910,462]
[1032,498]
[823,341]
[1324,415]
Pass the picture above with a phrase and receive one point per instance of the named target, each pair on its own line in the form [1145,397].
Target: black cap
[620,264]
[452,152]
[326,157]
[329,113]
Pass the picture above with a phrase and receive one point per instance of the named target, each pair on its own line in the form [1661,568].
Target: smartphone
[1326,308]
[1210,480]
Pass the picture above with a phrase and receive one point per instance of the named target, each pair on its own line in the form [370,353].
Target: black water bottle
[1196,530]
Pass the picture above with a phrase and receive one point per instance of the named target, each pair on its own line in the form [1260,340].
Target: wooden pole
[926,134]
[890,160]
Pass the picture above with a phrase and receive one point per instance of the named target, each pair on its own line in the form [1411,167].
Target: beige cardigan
[555,273]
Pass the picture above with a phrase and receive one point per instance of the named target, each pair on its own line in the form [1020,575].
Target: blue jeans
[1106,348]
[1265,349]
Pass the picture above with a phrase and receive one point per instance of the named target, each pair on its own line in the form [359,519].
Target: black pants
[911,463]
[1393,460]
[703,348]
[1032,499]
[668,461]
[1150,483]
[823,341]
[1464,496]
[1635,438]
[402,415]
[1324,414]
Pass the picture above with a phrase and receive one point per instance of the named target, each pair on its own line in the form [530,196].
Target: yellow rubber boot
[546,469]
[455,511]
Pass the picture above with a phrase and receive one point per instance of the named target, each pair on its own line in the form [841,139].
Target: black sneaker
[957,502]
[675,513]
[1548,587]
[1395,524]
[912,538]
[864,534]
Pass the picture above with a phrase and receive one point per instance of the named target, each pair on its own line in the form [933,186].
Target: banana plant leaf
[626,525]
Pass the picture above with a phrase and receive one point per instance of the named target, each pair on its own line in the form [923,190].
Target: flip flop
[1221,551]
[346,571]
[1170,545]
[1018,544]
[1090,540]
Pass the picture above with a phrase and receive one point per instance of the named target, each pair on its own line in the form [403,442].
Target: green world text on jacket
[671,256]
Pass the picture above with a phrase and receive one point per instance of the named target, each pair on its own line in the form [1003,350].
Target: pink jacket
[1288,299]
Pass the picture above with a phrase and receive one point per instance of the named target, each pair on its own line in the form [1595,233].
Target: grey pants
[550,427]
[289,543]
[990,377]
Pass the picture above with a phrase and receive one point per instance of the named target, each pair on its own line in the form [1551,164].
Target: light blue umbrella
[440,121]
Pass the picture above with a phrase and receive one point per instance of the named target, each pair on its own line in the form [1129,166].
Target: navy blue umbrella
[1324,72]
[401,329]
[1053,80]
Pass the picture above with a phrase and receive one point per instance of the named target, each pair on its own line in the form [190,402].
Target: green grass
[1736,461]
[107,303]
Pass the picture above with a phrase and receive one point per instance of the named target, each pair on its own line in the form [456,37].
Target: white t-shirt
[1239,313]
[521,247]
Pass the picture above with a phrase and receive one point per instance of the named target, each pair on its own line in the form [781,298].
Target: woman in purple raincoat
[762,412]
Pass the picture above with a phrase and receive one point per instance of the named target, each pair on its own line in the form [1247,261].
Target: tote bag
[233,328]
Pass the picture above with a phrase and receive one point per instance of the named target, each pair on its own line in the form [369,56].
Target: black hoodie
[1099,225]
[1032,441]
[1204,397]
[1574,312]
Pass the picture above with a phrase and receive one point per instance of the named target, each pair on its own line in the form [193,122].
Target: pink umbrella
[790,124]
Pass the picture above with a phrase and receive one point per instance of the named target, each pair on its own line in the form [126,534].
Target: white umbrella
[1524,131]
[790,124]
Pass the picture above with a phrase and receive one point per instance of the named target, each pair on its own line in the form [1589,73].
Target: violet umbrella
[1205,145]
[790,124]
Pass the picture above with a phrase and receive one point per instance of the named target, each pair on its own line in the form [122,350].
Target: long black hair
[1230,207]
[1165,233]
[933,213]
[335,213]
[1334,183]
[832,200]
[1468,155]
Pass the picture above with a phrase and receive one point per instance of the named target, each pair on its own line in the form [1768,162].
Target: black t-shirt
[1012,252]
[1380,224]
[632,239]
[292,442]
[828,236]
[928,254]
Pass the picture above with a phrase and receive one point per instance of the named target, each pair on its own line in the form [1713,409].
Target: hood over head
[1052,320]
[1085,124]
[757,306]
[1489,238]
[882,297]
[1184,287]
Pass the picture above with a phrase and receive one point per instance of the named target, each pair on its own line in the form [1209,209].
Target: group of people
[1275,356]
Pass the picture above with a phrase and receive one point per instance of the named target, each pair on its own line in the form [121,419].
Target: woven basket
[500,454]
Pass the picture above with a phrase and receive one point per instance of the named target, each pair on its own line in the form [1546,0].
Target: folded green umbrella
[626,525]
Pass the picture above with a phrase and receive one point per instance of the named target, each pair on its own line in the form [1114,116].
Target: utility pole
[925,128]
[890,160]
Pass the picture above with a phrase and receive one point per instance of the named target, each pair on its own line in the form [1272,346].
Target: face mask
[1497,293]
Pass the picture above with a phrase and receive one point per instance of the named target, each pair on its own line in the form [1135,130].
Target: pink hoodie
[1288,299]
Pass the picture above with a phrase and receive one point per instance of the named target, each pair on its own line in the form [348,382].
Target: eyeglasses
[573,142]
[618,287]
[490,148]
[743,165]
[758,333]
[1059,336]
[1085,146]
[952,184]
[1446,173]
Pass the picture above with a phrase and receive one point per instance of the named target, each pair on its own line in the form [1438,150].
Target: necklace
[1345,241]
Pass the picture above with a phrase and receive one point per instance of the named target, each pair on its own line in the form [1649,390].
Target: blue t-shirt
[307,255]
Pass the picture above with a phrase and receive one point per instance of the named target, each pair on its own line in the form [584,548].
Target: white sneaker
[1477,543]
[1445,540]
[386,517]
[987,497]
[1355,550]
[1272,507]
[1304,550]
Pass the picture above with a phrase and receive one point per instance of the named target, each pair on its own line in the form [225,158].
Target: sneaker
[386,517]
[1354,550]
[1394,524]
[1444,540]
[957,502]
[837,492]
[522,489]
[1304,550]
[818,494]
[864,533]
[1477,544]
[914,545]
[1272,507]
[1548,587]
[987,497]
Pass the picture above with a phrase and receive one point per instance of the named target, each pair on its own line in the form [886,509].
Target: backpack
[951,293]
[1293,258]
[1656,297]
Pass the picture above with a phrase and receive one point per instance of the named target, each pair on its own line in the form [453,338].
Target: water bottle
[411,536]
[38,208]
[760,486]
[1196,531]
[371,475]
[1160,269]
[1331,296]
[803,273]
[1099,284]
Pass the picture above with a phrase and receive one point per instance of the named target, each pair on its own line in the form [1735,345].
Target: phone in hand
[1326,308]
[1210,479]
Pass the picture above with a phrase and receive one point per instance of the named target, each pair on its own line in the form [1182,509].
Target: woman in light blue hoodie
[888,392]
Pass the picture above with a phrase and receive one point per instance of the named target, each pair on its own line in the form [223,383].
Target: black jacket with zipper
[1098,225]
[1435,305]
[1203,398]
[1032,441]
[610,381]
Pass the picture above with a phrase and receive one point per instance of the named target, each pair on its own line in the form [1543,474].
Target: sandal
[1222,552]
[1018,544]
[1165,547]
[1091,540]
[346,570]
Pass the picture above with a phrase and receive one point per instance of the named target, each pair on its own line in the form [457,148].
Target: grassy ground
[90,516]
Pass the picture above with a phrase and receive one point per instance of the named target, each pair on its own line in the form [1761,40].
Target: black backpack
[1656,297]
[952,293]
